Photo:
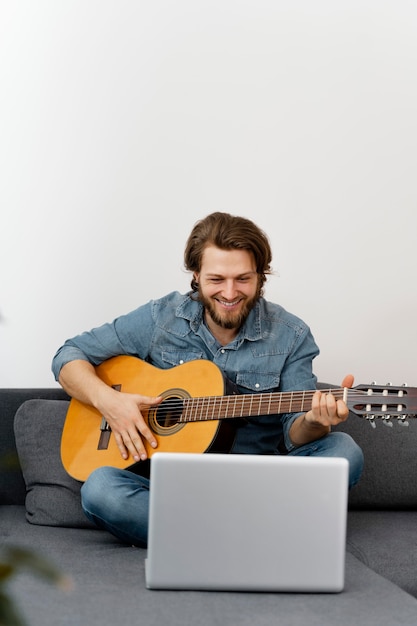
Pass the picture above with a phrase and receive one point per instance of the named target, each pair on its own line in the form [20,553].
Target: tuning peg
[402,420]
[386,420]
[370,419]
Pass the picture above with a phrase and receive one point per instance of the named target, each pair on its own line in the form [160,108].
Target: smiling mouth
[229,305]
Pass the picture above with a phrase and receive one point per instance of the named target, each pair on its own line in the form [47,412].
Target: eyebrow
[243,275]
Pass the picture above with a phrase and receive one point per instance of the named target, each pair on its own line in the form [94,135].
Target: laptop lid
[246,522]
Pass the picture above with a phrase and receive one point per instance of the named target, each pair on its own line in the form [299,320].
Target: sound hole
[169,412]
[165,418]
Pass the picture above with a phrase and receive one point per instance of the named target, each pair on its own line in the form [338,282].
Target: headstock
[383,402]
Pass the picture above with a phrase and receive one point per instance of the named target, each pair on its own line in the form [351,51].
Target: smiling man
[258,345]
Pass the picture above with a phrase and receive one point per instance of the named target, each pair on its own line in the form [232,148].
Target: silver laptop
[249,523]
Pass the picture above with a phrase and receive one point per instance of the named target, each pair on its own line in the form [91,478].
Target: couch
[39,509]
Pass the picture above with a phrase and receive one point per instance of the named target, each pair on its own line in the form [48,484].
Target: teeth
[228,303]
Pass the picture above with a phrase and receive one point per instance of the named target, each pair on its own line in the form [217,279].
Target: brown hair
[227,232]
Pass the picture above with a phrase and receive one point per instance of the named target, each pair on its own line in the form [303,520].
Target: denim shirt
[273,351]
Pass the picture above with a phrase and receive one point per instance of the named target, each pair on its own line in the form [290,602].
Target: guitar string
[205,409]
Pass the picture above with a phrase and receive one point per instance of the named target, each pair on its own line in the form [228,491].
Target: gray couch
[108,578]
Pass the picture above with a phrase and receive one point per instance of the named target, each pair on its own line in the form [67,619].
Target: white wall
[123,122]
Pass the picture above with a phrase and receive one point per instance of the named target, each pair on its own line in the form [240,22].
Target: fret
[213,413]
[206,401]
[228,410]
[302,401]
[225,406]
[195,414]
[183,417]
[194,409]
[242,406]
[234,405]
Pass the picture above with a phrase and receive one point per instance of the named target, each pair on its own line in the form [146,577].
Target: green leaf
[9,615]
[6,570]
[18,558]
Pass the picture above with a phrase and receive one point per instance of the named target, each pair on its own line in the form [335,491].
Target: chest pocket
[257,381]
[178,357]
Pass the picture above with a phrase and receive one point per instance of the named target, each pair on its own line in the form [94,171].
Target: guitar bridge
[105,430]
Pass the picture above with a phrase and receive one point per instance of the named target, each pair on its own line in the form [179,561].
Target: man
[258,345]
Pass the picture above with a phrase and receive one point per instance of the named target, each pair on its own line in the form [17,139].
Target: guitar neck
[248,405]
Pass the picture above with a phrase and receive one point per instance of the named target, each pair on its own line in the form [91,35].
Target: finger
[146,401]
[342,410]
[328,405]
[130,443]
[120,444]
[316,402]
[143,430]
[348,381]
[137,448]
[142,426]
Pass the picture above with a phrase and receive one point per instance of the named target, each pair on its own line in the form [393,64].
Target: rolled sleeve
[64,355]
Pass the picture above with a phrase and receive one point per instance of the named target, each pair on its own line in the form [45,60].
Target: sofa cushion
[389,450]
[52,496]
[12,485]
[386,541]
[390,464]
[110,588]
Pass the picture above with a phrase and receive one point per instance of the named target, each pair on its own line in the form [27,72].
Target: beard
[229,320]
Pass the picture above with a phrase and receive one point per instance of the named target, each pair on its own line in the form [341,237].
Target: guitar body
[85,446]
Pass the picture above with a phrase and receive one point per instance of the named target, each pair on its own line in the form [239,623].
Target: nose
[229,291]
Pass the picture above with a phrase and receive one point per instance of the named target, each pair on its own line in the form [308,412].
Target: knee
[348,448]
[96,488]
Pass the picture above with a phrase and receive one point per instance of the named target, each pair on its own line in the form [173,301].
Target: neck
[223,335]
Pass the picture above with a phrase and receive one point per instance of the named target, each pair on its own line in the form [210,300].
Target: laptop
[247,523]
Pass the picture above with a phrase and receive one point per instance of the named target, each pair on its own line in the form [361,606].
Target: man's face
[228,286]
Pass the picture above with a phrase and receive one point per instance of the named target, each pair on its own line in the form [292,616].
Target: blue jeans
[118,500]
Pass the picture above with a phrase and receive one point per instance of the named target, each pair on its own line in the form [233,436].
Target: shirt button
[181,362]
[257,385]
[222,351]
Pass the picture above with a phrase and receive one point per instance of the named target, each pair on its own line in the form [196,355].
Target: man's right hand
[121,410]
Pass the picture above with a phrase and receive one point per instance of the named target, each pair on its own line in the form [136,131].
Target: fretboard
[248,405]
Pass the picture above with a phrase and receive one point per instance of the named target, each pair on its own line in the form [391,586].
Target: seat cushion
[386,541]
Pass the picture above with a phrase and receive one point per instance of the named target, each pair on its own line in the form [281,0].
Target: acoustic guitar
[198,411]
